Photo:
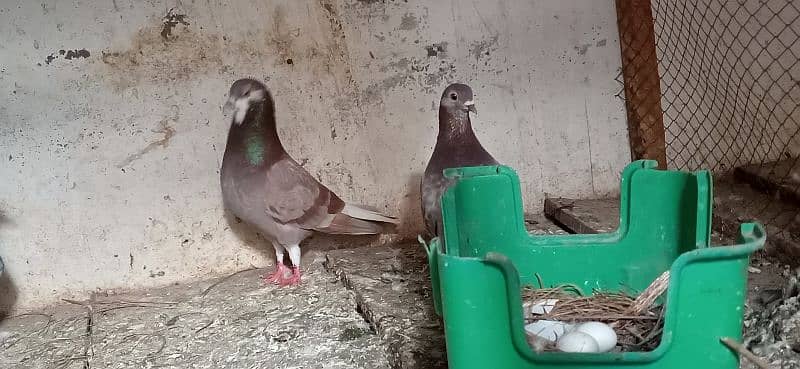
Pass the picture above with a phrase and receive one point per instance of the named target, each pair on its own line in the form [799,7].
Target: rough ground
[772,325]
[357,308]
[392,289]
[330,321]
[236,323]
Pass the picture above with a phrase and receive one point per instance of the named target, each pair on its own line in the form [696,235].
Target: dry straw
[638,322]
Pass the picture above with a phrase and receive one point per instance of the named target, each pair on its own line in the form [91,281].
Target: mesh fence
[727,90]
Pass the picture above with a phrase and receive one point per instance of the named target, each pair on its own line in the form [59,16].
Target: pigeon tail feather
[358,220]
[367,213]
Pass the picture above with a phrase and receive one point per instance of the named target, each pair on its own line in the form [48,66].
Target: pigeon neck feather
[258,136]
[455,127]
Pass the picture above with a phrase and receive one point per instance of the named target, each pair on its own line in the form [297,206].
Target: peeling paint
[582,49]
[66,54]
[483,48]
[172,19]
[408,22]
[150,59]
[437,49]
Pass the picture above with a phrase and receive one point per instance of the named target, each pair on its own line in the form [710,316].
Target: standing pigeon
[456,146]
[265,187]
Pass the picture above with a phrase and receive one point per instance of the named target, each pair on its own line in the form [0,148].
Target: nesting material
[649,296]
[637,322]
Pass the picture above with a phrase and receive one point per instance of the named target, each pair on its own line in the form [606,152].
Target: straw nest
[638,322]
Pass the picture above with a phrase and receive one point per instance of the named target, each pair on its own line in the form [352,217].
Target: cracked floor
[371,308]
[234,322]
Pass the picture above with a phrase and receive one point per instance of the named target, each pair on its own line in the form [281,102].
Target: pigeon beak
[228,108]
[471,107]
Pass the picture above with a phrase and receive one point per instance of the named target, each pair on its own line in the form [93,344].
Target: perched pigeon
[456,146]
[265,187]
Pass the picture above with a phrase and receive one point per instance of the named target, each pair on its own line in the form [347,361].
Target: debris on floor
[236,323]
[772,325]
[372,308]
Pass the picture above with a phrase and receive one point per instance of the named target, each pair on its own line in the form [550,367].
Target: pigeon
[266,188]
[456,146]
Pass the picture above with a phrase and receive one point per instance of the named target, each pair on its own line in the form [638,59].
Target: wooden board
[774,178]
[641,80]
[597,216]
[584,216]
[538,224]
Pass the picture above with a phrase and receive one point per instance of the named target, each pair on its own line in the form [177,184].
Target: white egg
[577,342]
[602,333]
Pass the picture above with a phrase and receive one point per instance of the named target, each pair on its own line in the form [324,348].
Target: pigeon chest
[242,190]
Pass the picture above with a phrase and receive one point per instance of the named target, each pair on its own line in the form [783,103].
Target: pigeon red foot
[293,280]
[276,276]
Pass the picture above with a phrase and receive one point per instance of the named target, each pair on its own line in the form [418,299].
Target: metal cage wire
[729,76]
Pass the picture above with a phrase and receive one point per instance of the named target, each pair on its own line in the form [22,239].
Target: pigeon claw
[277,276]
[293,280]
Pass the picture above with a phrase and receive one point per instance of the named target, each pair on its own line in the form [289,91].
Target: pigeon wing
[293,196]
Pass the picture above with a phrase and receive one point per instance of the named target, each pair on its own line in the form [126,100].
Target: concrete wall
[111,147]
[729,72]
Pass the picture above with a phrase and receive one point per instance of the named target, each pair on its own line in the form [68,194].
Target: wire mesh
[729,76]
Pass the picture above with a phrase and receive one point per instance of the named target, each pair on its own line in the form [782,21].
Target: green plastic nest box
[665,223]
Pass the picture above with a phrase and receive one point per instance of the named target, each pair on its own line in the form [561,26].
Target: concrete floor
[357,308]
[233,322]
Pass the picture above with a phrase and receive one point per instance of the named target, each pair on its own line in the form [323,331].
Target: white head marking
[242,104]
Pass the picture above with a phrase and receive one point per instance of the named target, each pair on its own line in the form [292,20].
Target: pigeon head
[244,94]
[458,98]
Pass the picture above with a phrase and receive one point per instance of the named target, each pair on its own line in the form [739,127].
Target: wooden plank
[641,80]
[734,204]
[777,177]
[538,224]
[598,216]
[584,216]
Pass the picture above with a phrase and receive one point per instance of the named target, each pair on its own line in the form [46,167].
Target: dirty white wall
[729,72]
[111,147]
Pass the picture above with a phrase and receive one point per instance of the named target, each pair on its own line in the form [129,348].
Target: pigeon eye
[454,96]
[247,93]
